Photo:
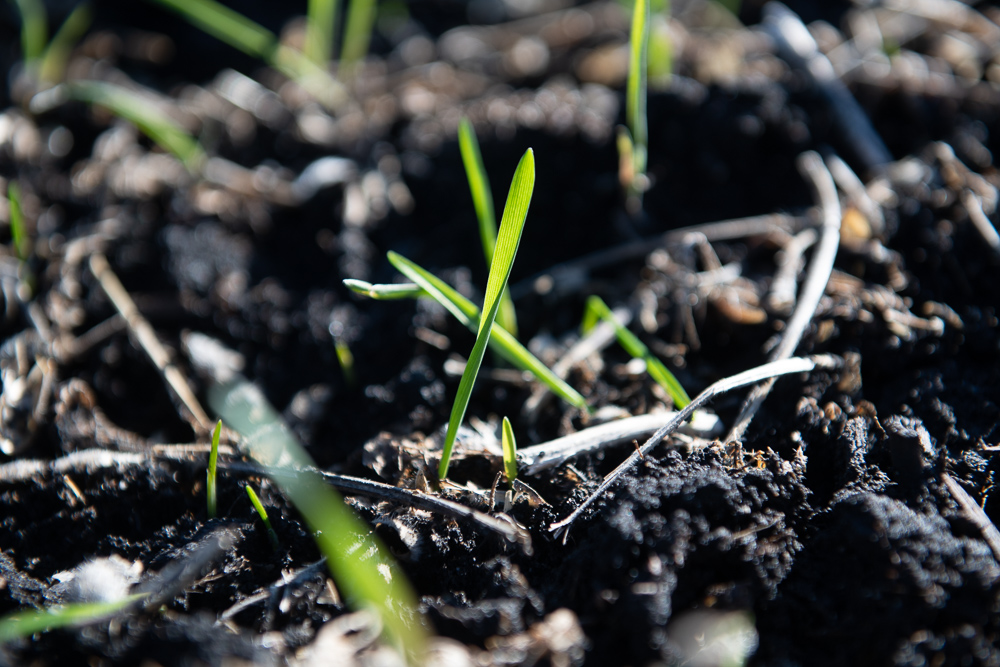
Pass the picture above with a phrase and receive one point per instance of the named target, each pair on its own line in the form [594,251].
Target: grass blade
[597,308]
[340,535]
[213,460]
[509,451]
[143,114]
[511,226]
[262,513]
[27,623]
[34,28]
[226,25]
[358,31]
[635,90]
[466,312]
[57,53]
[18,233]
[482,200]
[321,26]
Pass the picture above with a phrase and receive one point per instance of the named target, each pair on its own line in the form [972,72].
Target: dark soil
[827,536]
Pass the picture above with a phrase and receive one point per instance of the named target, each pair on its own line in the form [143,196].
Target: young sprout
[18,235]
[346,360]
[482,200]
[466,312]
[262,513]
[26,623]
[509,451]
[596,309]
[213,459]
[321,26]
[34,29]
[634,142]
[511,226]
[56,55]
[358,33]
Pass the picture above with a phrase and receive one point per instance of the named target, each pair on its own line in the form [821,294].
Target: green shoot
[18,234]
[321,26]
[466,312]
[34,29]
[597,309]
[255,40]
[635,100]
[509,451]
[57,53]
[142,113]
[482,200]
[340,535]
[262,513]
[213,460]
[511,226]
[358,33]
[346,360]
[27,623]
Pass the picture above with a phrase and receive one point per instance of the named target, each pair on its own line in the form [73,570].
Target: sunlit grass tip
[213,459]
[262,513]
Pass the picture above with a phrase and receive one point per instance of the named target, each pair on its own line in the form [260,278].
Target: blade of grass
[635,92]
[341,536]
[213,460]
[27,623]
[57,53]
[509,451]
[34,28]
[482,200]
[143,114]
[597,308]
[226,25]
[18,234]
[469,314]
[321,26]
[358,32]
[511,225]
[262,513]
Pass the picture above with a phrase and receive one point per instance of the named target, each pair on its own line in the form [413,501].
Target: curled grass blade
[511,225]
[596,308]
[144,114]
[340,535]
[509,451]
[482,200]
[466,312]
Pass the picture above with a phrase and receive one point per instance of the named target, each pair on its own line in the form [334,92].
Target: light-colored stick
[812,167]
[752,376]
[974,513]
[144,333]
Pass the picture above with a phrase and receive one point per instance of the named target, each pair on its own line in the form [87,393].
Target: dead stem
[812,167]
[974,513]
[752,376]
[144,333]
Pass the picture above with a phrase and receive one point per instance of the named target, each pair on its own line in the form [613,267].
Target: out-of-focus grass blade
[358,31]
[509,451]
[27,623]
[146,116]
[384,292]
[226,25]
[213,459]
[18,234]
[57,53]
[321,26]
[635,92]
[340,535]
[482,200]
[597,308]
[262,513]
[512,224]
[34,28]
[466,312]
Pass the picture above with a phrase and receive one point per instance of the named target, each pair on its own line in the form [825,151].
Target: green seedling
[358,32]
[356,558]
[633,143]
[213,460]
[26,623]
[509,451]
[321,26]
[511,225]
[255,40]
[482,200]
[596,310]
[46,61]
[346,360]
[134,108]
[262,513]
[34,28]
[466,312]
[18,233]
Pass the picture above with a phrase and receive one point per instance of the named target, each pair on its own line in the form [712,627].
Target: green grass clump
[482,200]
[509,451]
[509,238]
[262,513]
[596,310]
[213,460]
